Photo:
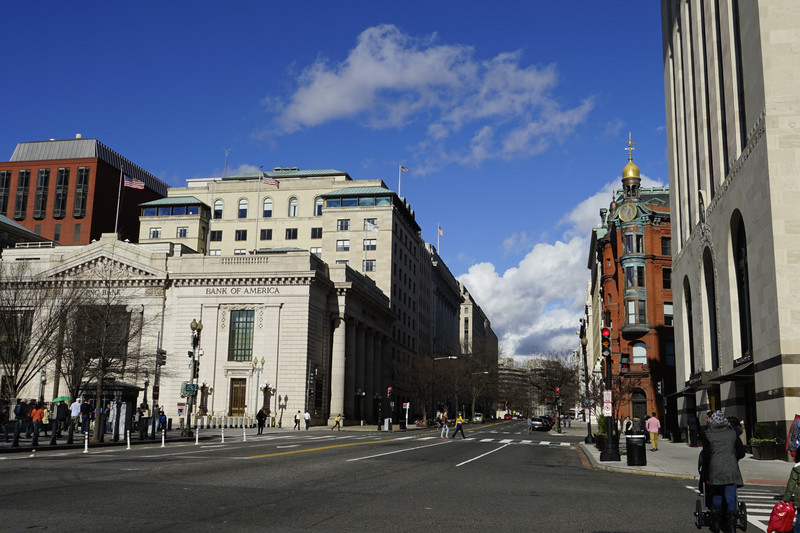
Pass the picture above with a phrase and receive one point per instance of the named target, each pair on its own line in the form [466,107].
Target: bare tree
[414,377]
[553,378]
[481,371]
[33,311]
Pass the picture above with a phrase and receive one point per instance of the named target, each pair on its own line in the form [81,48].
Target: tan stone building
[733,105]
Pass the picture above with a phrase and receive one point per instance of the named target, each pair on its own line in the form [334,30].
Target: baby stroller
[703,514]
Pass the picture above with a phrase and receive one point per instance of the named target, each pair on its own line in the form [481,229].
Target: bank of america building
[311,288]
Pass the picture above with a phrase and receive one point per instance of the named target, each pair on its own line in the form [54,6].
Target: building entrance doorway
[639,404]
[237,398]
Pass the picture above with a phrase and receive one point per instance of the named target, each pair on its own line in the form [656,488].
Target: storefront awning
[740,373]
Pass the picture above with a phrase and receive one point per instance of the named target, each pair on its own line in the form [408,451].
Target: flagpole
[119,195]
[399,178]
[258,203]
[438,234]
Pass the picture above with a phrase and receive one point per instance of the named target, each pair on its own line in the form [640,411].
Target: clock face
[627,212]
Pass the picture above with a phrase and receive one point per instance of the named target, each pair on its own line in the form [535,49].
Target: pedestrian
[297,421]
[307,418]
[459,426]
[4,414]
[627,427]
[569,421]
[137,418]
[643,428]
[653,426]
[445,428]
[261,418]
[792,492]
[530,423]
[37,416]
[75,414]
[29,419]
[86,412]
[337,426]
[722,450]
[162,419]
[62,414]
[694,427]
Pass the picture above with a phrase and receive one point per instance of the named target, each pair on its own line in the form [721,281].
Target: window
[215,252]
[179,210]
[37,229]
[240,235]
[634,276]
[343,245]
[21,202]
[5,180]
[267,207]
[666,278]
[291,233]
[81,193]
[639,350]
[316,251]
[343,224]
[57,232]
[155,233]
[666,246]
[292,206]
[215,235]
[668,313]
[62,188]
[40,199]
[634,243]
[636,312]
[183,233]
[240,251]
[266,234]
[318,207]
[243,208]
[370,244]
[316,233]
[76,232]
[217,209]
[368,265]
[342,261]
[240,341]
[370,224]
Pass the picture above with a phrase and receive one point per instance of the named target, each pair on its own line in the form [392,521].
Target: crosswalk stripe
[505,441]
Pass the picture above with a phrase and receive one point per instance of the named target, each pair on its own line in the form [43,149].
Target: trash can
[636,451]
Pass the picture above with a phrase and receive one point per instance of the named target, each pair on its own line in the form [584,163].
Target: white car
[477,418]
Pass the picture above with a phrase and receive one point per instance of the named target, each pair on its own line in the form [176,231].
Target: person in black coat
[694,427]
[722,449]
[62,415]
[643,428]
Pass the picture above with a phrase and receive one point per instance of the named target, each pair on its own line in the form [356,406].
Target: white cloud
[392,79]
[535,306]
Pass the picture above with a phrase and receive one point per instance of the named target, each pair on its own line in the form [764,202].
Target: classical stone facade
[282,328]
[733,105]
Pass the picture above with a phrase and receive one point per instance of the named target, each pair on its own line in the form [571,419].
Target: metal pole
[611,453]
[584,341]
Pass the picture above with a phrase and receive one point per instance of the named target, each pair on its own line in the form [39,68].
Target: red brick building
[67,190]
[634,255]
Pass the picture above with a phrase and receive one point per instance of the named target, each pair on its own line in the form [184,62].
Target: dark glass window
[216,235]
[149,211]
[666,278]
[21,202]
[243,208]
[666,246]
[193,210]
[5,184]
[179,210]
[62,189]
[333,202]
[217,209]
[40,199]
[291,233]
[81,193]
[267,207]
[57,232]
[316,233]
[266,234]
[241,235]
[240,342]
[164,211]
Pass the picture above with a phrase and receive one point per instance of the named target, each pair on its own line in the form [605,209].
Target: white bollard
[163,436]
[86,442]
[222,429]
[197,436]
[244,433]
[128,432]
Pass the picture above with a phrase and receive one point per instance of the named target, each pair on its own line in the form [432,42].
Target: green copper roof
[358,191]
[174,200]
[279,173]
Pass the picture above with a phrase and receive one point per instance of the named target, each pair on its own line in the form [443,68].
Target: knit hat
[718,419]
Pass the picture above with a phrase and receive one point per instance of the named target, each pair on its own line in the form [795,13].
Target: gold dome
[630,171]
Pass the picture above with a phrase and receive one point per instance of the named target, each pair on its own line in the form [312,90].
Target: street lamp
[360,406]
[197,328]
[433,387]
[258,367]
[378,399]
[144,398]
[43,380]
[584,341]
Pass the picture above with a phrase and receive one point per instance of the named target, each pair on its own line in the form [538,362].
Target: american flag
[266,180]
[403,169]
[133,183]
[441,231]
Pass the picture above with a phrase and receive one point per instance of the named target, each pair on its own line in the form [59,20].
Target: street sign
[188,389]
[406,405]
[607,403]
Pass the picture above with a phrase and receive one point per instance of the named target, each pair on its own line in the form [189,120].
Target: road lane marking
[288,446]
[482,455]
[319,449]
[397,451]
[506,441]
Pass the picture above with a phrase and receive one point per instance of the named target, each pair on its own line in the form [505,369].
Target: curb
[597,466]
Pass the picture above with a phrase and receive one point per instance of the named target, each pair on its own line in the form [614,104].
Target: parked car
[477,418]
[540,424]
[507,416]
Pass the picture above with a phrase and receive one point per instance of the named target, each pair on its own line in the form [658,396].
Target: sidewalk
[677,459]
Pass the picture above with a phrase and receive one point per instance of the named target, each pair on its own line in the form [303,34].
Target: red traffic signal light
[605,342]
[558,389]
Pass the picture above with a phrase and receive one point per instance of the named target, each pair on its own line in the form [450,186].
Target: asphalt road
[499,479]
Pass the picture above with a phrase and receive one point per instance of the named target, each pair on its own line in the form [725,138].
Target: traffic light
[310,392]
[605,342]
[161,357]
[558,397]
[624,363]
[660,387]
[389,392]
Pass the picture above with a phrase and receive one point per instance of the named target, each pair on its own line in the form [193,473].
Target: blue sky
[512,117]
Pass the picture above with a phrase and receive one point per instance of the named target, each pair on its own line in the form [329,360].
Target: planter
[601,441]
[764,451]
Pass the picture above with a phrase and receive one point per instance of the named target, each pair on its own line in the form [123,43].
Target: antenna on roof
[227,151]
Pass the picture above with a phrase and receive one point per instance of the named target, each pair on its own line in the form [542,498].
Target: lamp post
[267,390]
[433,386]
[197,328]
[584,341]
[378,399]
[258,367]
[42,381]
[611,453]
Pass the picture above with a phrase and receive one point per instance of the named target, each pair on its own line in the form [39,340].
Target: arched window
[318,207]
[710,313]
[267,207]
[218,209]
[243,208]
[689,321]
[742,269]
[639,350]
[292,206]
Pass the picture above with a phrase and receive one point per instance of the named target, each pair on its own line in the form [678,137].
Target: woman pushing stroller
[722,450]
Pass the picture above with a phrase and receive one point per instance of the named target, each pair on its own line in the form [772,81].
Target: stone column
[350,368]
[369,376]
[337,368]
